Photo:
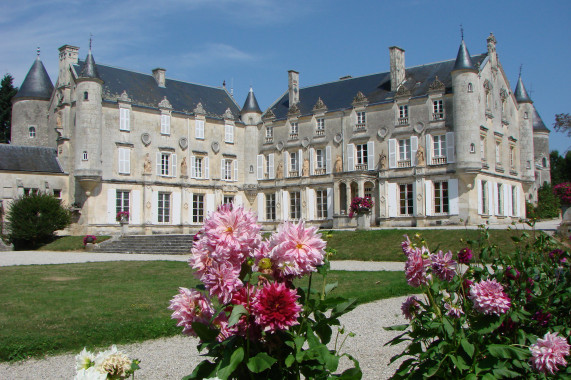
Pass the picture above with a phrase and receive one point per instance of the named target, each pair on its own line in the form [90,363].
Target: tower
[30,109]
[525,113]
[251,116]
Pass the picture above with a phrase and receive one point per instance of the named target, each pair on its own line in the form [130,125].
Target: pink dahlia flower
[275,307]
[410,307]
[296,250]
[443,266]
[222,280]
[549,352]
[406,245]
[415,268]
[453,310]
[489,297]
[190,306]
[464,256]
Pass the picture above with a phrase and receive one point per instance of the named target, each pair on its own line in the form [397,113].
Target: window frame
[439,140]
[164,207]
[124,163]
[229,133]
[361,154]
[361,118]
[441,198]
[321,203]
[295,205]
[438,109]
[270,206]
[165,124]
[197,208]
[32,133]
[123,201]
[199,129]
[124,119]
[406,204]
[406,153]
[227,175]
[165,164]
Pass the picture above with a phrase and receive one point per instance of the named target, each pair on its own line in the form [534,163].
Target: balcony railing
[293,136]
[360,127]
[320,132]
[404,164]
[438,116]
[361,167]
[319,171]
[293,173]
[438,161]
[269,140]
[403,120]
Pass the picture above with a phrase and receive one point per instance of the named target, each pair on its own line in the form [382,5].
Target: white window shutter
[222,167]
[300,162]
[199,130]
[192,167]
[235,164]
[329,203]
[351,157]
[111,206]
[392,153]
[496,199]
[190,208]
[209,204]
[286,164]
[260,163]
[413,150]
[135,207]
[428,196]
[507,194]
[450,147]
[509,200]
[370,155]
[310,204]
[173,165]
[491,207]
[311,161]
[414,200]
[453,196]
[158,163]
[272,173]
[428,149]
[517,206]
[480,204]
[206,167]
[285,205]
[120,161]
[392,196]
[261,211]
[155,206]
[176,209]
[128,161]
[328,166]
[238,200]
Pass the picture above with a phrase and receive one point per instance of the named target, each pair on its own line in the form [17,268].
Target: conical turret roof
[463,60]
[520,93]
[37,84]
[89,69]
[251,104]
[538,124]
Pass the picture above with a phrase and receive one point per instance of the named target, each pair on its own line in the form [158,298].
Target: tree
[560,167]
[563,123]
[7,92]
[32,220]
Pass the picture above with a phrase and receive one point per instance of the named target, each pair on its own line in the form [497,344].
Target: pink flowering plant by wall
[484,314]
[252,322]
[563,192]
[360,205]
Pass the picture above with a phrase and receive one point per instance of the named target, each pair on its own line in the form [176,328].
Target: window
[122,201]
[441,197]
[319,159]
[512,156]
[403,115]
[498,152]
[124,164]
[438,110]
[30,191]
[470,87]
[525,116]
[405,199]
[32,132]
[320,130]
[198,167]
[228,170]
[404,152]
[439,146]
[228,199]
[86,95]
[321,203]
[293,163]
[166,124]
[165,164]
[361,120]
[544,162]
[483,142]
[124,122]
[472,148]
[484,199]
[295,205]
[500,210]
[84,156]
[197,208]
[199,129]
[271,206]
[368,190]
[362,160]
[164,207]
[229,133]
[293,130]
[269,133]
[57,193]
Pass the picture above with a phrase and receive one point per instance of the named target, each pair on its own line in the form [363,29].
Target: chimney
[159,75]
[293,87]
[397,67]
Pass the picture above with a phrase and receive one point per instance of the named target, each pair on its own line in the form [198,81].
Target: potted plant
[123,217]
[362,208]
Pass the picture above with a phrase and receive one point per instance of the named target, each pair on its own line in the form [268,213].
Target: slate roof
[339,95]
[538,124]
[37,84]
[143,90]
[463,60]
[251,104]
[29,159]
[90,68]
[520,93]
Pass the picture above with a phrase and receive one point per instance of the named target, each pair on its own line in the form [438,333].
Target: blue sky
[255,42]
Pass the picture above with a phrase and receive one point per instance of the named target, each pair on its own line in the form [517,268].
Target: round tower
[251,116]
[525,115]
[88,126]
[541,150]
[30,109]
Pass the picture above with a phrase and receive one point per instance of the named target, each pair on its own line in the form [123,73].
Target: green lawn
[69,243]
[49,309]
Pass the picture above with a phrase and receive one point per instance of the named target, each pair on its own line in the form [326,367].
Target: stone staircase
[153,244]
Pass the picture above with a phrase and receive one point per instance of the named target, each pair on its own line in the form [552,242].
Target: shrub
[547,202]
[32,220]
[563,192]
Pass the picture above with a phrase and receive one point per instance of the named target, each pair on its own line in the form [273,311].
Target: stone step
[152,244]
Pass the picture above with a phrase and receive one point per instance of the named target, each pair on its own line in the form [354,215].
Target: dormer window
[293,131]
[403,115]
[32,132]
[361,120]
[165,124]
[320,128]
[437,110]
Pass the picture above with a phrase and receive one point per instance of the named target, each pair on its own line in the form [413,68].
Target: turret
[525,113]
[465,112]
[251,116]
[30,109]
[251,113]
[541,150]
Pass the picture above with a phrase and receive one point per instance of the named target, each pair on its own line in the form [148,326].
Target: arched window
[472,148]
[85,95]
[544,162]
[470,87]
[525,116]
[32,131]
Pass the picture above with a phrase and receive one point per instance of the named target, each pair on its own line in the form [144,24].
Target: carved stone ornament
[338,138]
[419,197]
[228,114]
[148,204]
[183,143]
[215,146]
[293,109]
[269,115]
[503,94]
[251,192]
[124,97]
[185,206]
[319,105]
[419,127]
[360,98]
[382,199]
[487,85]
[165,103]
[305,142]
[280,146]
[199,109]
[437,85]
[402,91]
[382,132]
[146,138]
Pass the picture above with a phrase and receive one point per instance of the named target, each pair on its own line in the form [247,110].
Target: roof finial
[520,67]
[90,40]
[462,32]
[38,51]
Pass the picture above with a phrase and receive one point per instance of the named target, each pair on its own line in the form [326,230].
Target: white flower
[90,373]
[84,360]
[113,362]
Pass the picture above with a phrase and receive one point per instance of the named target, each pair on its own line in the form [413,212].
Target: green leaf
[471,377]
[230,365]
[203,370]
[396,327]
[237,312]
[323,330]
[503,351]
[330,287]
[487,324]
[344,307]
[468,347]
[204,332]
[459,362]
[488,376]
[504,372]
[448,327]
[260,362]
[289,360]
